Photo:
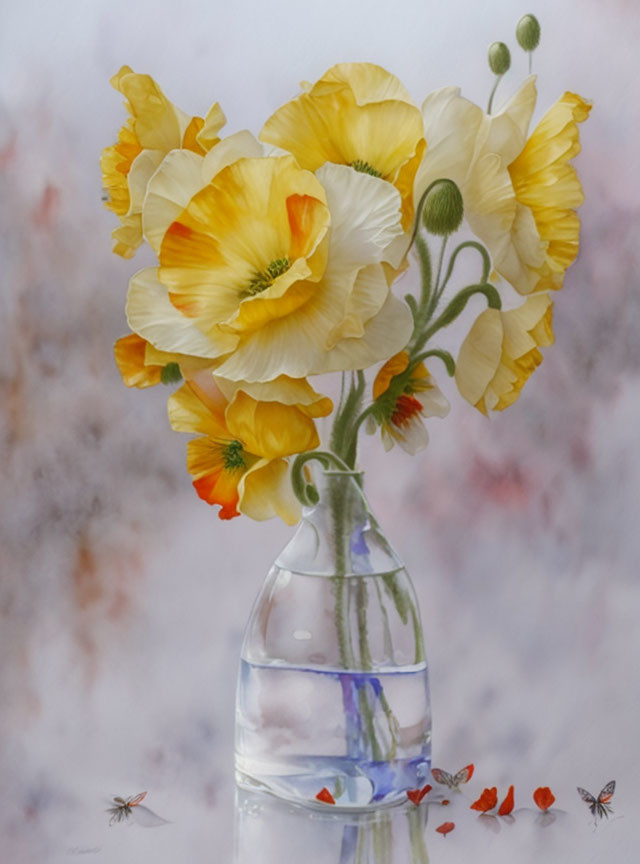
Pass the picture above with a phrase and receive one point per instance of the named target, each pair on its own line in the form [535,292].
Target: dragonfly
[599,806]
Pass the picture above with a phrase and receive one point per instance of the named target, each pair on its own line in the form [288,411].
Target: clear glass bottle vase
[333,693]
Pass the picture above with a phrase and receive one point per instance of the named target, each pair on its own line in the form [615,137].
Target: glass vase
[333,697]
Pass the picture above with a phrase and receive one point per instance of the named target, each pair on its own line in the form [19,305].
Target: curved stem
[469,244]
[445,356]
[302,489]
[493,93]
[418,214]
[458,303]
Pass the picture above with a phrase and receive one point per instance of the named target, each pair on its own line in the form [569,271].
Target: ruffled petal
[177,180]
[130,357]
[197,412]
[270,429]
[265,491]
[365,217]
[151,314]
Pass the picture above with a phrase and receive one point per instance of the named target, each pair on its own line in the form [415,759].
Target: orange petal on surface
[325,796]
[487,801]
[507,805]
[416,795]
[445,802]
[445,828]
[544,797]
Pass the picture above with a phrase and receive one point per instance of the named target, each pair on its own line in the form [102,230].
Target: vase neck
[339,536]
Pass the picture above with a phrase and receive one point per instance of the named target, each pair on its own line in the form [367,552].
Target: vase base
[351,786]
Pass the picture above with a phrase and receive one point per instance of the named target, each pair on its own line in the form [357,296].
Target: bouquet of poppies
[279,260]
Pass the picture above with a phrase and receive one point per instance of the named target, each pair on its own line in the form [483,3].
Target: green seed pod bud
[443,209]
[499,58]
[528,32]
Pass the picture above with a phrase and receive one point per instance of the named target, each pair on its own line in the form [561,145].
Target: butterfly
[122,807]
[453,781]
[599,806]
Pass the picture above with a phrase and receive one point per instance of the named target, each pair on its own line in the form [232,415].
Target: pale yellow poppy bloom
[154,128]
[501,351]
[518,195]
[357,114]
[270,269]
[239,461]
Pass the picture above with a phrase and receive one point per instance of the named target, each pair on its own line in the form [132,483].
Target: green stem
[469,244]
[416,833]
[456,306]
[493,93]
[445,356]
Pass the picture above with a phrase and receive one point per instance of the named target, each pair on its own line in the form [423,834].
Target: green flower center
[264,280]
[365,168]
[233,456]
[170,373]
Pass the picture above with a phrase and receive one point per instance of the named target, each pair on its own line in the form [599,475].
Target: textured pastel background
[123,597]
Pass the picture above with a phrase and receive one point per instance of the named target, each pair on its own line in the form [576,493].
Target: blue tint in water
[365,736]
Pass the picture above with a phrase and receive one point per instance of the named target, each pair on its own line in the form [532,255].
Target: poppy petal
[544,797]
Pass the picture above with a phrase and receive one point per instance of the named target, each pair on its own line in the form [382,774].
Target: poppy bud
[528,32]
[443,209]
[499,58]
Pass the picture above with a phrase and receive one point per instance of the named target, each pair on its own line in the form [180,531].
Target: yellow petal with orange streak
[130,357]
[197,412]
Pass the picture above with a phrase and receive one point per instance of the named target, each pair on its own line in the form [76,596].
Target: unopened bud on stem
[443,209]
[499,58]
[528,32]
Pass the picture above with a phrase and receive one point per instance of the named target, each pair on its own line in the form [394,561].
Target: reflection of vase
[333,690]
[269,831]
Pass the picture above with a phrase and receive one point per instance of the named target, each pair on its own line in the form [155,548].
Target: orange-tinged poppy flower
[507,805]
[445,828]
[487,801]
[154,128]
[544,797]
[402,414]
[325,796]
[239,462]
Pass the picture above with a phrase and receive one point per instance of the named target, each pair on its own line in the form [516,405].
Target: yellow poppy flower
[545,182]
[239,461]
[155,127]
[501,351]
[518,195]
[357,114]
[402,420]
[270,269]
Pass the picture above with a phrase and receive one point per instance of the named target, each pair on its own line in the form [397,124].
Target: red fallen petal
[325,796]
[469,769]
[487,801]
[544,797]
[507,805]
[445,801]
[416,795]
[445,828]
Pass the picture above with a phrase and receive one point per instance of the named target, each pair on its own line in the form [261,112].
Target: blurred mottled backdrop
[123,597]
